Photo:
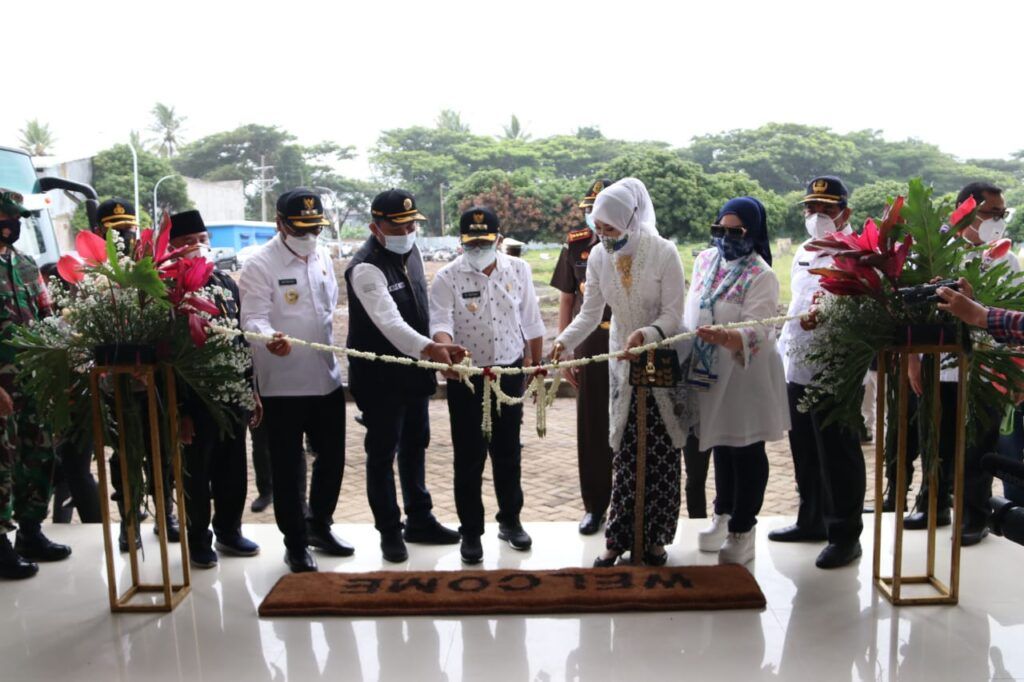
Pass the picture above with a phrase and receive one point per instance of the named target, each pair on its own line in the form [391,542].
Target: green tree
[112,176]
[238,154]
[780,156]
[869,201]
[167,125]
[515,131]
[37,138]
[451,121]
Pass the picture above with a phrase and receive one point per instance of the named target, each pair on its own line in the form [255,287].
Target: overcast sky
[639,70]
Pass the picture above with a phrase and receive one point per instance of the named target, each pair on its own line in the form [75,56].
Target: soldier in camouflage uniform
[26,448]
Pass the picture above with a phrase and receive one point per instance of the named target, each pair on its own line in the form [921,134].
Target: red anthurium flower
[70,268]
[91,247]
[962,213]
[197,329]
[998,249]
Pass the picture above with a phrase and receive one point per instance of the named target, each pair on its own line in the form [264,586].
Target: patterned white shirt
[490,315]
[282,293]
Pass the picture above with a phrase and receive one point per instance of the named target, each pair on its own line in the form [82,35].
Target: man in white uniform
[828,461]
[485,302]
[289,288]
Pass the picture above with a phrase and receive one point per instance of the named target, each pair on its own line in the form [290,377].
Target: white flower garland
[492,375]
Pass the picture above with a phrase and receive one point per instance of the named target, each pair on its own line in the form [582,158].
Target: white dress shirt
[282,293]
[794,340]
[371,288]
[490,316]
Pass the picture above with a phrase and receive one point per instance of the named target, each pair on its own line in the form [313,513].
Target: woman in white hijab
[638,273]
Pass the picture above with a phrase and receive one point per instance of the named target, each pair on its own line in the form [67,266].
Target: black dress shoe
[836,555]
[12,565]
[973,535]
[602,562]
[516,537]
[201,555]
[31,544]
[472,551]
[434,534]
[300,560]
[261,503]
[652,559]
[918,520]
[173,529]
[323,539]
[122,538]
[392,547]
[796,533]
[591,523]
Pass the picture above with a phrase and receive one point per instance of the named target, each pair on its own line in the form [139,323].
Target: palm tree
[36,138]
[168,127]
[514,131]
[451,120]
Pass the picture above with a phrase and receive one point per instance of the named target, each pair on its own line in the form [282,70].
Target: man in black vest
[388,315]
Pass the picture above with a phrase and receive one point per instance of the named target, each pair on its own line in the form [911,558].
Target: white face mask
[399,243]
[204,251]
[479,259]
[589,217]
[818,225]
[991,230]
[302,246]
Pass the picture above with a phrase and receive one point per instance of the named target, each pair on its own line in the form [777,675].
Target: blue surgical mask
[589,217]
[480,257]
[400,243]
[731,249]
[612,245]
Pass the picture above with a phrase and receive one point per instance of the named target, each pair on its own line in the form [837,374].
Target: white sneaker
[711,538]
[738,548]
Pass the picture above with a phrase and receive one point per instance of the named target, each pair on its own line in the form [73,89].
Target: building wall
[61,207]
[217,201]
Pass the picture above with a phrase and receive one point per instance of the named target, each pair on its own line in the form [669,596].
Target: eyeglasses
[719,231]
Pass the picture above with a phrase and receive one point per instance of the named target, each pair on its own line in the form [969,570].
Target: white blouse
[748,402]
[655,298]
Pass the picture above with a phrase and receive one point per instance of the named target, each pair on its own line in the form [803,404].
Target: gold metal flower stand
[893,585]
[134,598]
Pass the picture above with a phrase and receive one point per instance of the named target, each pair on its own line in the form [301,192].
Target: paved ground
[550,478]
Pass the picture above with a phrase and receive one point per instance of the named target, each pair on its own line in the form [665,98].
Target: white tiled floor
[818,625]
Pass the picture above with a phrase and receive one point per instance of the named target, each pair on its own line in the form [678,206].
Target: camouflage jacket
[24,298]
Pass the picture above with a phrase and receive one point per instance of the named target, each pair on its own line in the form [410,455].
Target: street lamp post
[157,185]
[135,172]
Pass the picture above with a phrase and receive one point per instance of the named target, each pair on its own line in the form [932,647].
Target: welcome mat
[568,590]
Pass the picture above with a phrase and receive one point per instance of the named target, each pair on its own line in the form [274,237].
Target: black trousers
[977,483]
[594,455]
[830,473]
[741,477]
[697,462]
[399,427]
[287,419]
[470,449]
[141,403]
[261,461]
[214,470]
[74,482]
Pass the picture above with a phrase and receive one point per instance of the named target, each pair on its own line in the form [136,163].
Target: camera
[925,293]
[1007,516]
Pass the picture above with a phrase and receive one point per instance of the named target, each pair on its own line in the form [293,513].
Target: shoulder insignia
[577,235]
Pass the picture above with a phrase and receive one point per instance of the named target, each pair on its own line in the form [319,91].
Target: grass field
[542,261]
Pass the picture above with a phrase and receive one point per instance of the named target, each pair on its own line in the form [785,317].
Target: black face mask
[10,230]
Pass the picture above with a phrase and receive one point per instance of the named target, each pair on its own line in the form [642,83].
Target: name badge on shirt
[470,294]
[287,282]
[804,264]
[396,286]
